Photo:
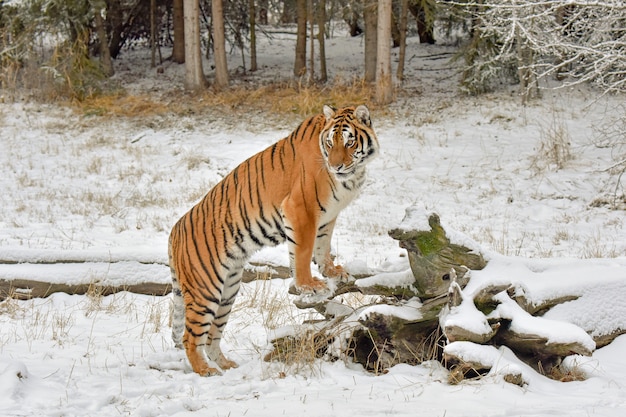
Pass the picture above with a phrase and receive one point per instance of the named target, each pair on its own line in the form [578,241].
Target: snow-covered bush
[526,41]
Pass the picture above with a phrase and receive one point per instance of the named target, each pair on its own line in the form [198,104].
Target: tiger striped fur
[291,191]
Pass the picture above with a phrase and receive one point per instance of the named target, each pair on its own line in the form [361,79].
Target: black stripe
[319,203]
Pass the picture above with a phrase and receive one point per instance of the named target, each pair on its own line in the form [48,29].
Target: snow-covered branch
[576,41]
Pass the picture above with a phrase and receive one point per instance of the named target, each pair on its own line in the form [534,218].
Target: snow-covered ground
[109,189]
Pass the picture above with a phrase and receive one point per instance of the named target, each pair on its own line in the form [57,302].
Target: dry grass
[121,105]
[564,373]
[300,350]
[554,149]
[280,98]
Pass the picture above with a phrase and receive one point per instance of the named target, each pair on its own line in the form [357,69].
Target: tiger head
[347,141]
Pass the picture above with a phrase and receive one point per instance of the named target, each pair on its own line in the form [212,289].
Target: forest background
[48,46]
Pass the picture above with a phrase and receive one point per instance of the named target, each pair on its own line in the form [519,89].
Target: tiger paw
[226,363]
[310,286]
[313,299]
[203,369]
[309,297]
[335,271]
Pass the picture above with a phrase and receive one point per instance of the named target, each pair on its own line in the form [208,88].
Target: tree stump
[432,254]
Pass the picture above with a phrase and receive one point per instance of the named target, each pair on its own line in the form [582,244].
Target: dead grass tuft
[554,149]
[9,305]
[564,373]
[300,350]
[121,105]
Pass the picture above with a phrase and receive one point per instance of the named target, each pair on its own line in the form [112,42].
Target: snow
[408,311]
[402,279]
[609,313]
[106,190]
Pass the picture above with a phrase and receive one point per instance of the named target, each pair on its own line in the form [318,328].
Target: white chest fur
[343,194]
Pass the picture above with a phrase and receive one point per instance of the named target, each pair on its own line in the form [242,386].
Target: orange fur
[291,191]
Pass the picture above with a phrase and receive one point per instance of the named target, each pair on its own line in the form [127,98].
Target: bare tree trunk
[252,22]
[219,44]
[321,26]
[194,76]
[423,19]
[311,19]
[384,88]
[105,55]
[404,11]
[152,33]
[115,19]
[178,51]
[263,6]
[351,16]
[370,12]
[299,67]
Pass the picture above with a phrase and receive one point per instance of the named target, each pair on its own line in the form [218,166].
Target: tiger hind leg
[198,321]
[178,313]
[213,350]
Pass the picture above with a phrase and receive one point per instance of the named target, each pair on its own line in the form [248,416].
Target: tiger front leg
[300,228]
[322,256]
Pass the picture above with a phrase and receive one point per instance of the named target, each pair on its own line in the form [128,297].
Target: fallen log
[24,289]
[25,284]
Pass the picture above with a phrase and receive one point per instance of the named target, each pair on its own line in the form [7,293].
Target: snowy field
[106,189]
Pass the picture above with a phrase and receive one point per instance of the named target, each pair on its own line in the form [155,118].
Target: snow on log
[449,305]
[34,274]
[544,338]
[467,359]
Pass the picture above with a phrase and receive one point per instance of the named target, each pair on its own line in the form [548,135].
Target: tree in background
[178,23]
[425,13]
[105,54]
[370,20]
[403,25]
[384,86]
[219,44]
[321,25]
[506,41]
[299,66]
[194,75]
[252,17]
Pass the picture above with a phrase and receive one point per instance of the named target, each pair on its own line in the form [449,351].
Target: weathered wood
[605,339]
[484,298]
[539,346]
[385,341]
[489,316]
[432,256]
[537,309]
[461,334]
[23,289]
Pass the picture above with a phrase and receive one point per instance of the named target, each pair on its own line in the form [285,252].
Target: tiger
[292,191]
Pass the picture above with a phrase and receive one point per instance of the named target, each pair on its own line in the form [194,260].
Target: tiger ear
[329,112]
[362,113]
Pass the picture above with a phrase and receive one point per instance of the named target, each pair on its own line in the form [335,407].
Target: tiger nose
[335,161]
